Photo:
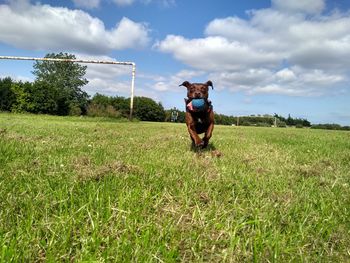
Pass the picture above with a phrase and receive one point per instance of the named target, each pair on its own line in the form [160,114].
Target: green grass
[83,189]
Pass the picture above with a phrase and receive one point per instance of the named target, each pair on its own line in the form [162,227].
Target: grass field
[83,189]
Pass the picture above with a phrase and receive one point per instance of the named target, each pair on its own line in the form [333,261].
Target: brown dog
[199,112]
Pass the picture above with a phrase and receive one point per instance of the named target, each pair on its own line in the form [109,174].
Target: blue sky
[263,57]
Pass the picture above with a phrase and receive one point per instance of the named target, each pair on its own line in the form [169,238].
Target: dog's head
[197,90]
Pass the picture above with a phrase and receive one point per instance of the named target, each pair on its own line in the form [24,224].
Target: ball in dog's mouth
[198,104]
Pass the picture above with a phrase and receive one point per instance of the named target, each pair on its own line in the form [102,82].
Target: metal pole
[132,90]
[70,60]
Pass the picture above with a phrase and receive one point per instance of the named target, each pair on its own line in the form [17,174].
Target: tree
[7,97]
[43,98]
[122,105]
[65,80]
[23,97]
[101,99]
[146,109]
[101,106]
[290,121]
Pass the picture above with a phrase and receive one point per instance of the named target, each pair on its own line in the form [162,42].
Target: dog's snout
[197,95]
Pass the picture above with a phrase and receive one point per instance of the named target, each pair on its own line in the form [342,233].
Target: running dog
[199,112]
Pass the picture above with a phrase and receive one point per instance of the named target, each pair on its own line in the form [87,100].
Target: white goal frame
[88,62]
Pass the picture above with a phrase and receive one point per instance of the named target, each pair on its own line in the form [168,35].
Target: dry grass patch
[87,170]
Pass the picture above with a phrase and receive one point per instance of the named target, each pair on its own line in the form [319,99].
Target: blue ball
[198,104]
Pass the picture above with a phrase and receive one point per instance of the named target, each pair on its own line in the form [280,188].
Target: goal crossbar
[126,63]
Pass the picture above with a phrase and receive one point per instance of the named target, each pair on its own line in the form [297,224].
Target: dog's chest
[200,118]
[200,122]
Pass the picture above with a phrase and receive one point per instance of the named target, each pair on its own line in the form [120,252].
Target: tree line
[41,98]
[57,90]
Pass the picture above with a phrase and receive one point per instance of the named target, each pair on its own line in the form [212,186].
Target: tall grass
[86,189]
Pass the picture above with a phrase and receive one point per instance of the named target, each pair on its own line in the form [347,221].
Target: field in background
[76,189]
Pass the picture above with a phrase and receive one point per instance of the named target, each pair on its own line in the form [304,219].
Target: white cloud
[277,89]
[305,6]
[295,81]
[89,4]
[104,71]
[319,78]
[43,27]
[289,49]
[123,2]
[171,83]
[242,80]
[107,87]
[128,34]
[162,3]
[285,75]
[108,79]
[233,29]
[216,53]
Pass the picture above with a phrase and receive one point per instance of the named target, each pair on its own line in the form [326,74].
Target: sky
[263,56]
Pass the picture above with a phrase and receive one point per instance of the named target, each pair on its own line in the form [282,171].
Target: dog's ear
[209,83]
[186,84]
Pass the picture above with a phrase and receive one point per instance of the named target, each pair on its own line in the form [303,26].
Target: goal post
[83,61]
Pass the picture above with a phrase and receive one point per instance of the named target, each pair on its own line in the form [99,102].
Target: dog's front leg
[209,131]
[192,131]
[207,135]
[198,142]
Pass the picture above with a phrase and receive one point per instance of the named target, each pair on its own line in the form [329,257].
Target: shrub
[97,110]
[263,124]
[74,110]
[281,124]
